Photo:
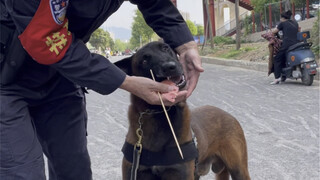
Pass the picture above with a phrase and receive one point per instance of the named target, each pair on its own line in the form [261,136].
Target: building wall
[185,15]
[219,13]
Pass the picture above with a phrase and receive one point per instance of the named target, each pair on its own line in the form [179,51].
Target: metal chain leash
[138,146]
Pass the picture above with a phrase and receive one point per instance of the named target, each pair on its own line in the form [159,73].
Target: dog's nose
[169,67]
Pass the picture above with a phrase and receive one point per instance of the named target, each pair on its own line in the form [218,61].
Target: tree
[260,7]
[102,39]
[119,45]
[141,32]
[193,29]
[259,4]
[301,3]
[200,30]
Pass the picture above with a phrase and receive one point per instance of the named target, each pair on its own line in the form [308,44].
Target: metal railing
[229,26]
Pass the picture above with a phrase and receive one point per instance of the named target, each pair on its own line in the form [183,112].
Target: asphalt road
[281,123]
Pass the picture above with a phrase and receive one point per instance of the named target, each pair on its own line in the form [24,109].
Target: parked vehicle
[300,60]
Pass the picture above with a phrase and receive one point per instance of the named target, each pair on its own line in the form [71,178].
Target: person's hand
[147,89]
[275,31]
[191,63]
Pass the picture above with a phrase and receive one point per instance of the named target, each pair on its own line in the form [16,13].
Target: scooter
[300,61]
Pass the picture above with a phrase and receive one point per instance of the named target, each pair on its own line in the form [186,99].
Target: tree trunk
[237,24]
[209,23]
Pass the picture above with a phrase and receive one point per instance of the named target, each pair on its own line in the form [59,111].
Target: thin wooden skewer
[165,111]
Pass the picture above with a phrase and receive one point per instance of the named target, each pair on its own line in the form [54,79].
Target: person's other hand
[147,89]
[191,63]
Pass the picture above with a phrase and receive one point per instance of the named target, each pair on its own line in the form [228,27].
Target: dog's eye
[165,48]
[146,58]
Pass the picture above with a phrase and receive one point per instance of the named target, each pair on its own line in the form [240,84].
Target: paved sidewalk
[257,66]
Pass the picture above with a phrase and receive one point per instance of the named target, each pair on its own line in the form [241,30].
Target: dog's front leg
[144,173]
[126,169]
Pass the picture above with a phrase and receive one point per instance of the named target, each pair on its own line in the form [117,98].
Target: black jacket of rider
[289,29]
[79,65]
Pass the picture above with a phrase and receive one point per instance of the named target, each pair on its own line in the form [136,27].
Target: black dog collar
[166,157]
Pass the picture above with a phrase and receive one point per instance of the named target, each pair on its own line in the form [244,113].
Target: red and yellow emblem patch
[47,38]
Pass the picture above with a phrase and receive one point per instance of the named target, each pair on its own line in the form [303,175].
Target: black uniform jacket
[79,65]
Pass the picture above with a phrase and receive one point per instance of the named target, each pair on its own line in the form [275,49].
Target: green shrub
[234,53]
[315,36]
[246,49]
[247,22]
[206,50]
[231,54]
[223,40]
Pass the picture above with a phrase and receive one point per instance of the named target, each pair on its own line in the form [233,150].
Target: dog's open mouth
[179,81]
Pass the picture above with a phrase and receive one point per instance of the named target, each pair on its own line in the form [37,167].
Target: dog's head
[158,57]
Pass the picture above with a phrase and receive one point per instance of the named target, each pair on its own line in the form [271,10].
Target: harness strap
[168,156]
[135,163]
[195,141]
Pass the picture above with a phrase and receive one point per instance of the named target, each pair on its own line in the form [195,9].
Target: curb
[257,66]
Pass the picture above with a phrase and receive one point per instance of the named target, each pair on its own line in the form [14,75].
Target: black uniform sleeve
[89,70]
[164,18]
[78,65]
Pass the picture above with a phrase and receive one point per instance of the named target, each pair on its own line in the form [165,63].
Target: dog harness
[168,156]
[137,155]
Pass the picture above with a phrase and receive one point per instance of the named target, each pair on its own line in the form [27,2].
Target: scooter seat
[298,45]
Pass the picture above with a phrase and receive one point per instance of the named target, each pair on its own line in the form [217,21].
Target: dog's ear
[125,65]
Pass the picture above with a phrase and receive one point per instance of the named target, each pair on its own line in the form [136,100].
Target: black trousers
[54,124]
[279,62]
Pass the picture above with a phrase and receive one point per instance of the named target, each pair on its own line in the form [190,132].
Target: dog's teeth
[168,78]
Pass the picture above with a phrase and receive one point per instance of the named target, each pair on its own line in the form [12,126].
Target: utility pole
[238,30]
[209,23]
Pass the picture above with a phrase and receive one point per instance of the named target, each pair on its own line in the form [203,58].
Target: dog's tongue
[170,96]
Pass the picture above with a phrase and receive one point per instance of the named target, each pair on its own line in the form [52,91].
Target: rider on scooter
[289,28]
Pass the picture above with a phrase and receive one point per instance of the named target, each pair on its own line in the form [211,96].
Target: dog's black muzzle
[172,71]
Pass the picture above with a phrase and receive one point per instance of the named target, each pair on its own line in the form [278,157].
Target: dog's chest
[156,130]
[157,133]
[158,170]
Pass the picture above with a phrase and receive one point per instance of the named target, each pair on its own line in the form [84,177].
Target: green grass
[234,53]
[231,54]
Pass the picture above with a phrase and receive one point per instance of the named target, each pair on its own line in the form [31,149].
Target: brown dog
[220,139]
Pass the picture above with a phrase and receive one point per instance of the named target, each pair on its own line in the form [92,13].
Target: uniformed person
[42,99]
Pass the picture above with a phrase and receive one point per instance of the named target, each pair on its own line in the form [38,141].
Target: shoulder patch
[58,10]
